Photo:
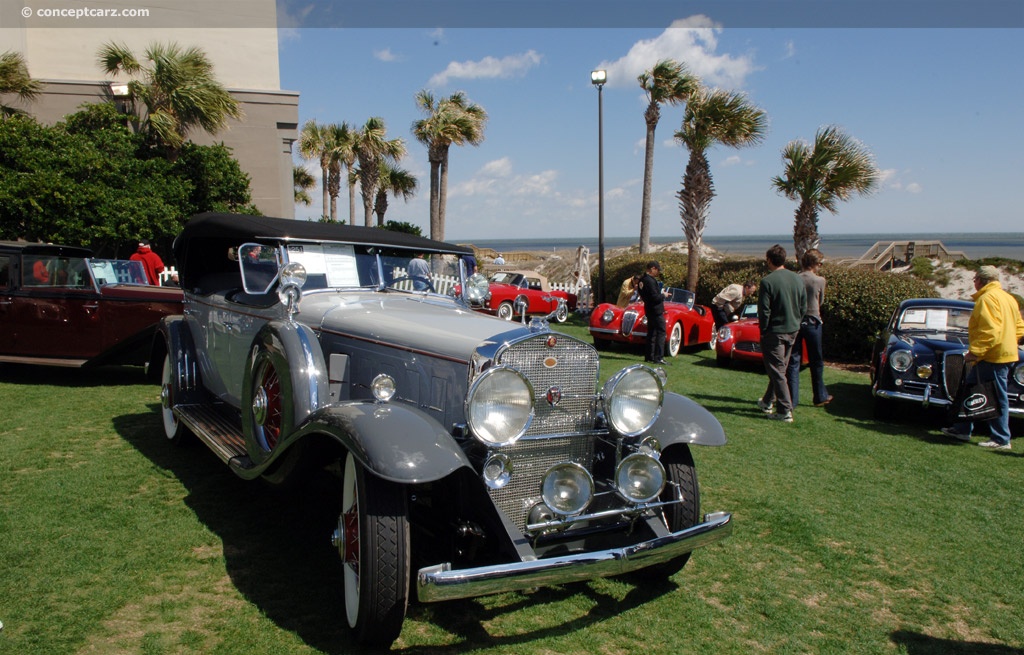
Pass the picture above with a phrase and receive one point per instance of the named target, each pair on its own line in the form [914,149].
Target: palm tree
[314,144]
[452,120]
[178,90]
[14,78]
[302,182]
[339,140]
[397,182]
[834,168]
[668,82]
[712,117]
[372,148]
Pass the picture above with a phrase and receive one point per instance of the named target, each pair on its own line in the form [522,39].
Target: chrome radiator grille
[530,460]
[566,368]
[952,372]
[628,322]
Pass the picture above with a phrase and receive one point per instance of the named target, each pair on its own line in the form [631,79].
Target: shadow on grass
[58,376]
[916,643]
[277,552]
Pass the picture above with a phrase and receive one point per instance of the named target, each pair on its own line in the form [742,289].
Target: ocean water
[834,246]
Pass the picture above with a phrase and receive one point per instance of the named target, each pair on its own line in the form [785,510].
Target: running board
[218,430]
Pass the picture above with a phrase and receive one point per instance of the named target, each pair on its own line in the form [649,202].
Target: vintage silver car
[473,455]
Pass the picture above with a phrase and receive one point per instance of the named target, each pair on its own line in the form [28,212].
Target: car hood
[421,323]
[937,341]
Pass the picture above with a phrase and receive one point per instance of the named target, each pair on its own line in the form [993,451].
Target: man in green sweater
[781,303]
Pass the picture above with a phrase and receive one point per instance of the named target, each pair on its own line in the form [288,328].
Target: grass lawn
[851,536]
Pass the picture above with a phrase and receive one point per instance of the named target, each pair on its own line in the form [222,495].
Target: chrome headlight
[632,399]
[477,289]
[499,407]
[724,334]
[1018,374]
[901,360]
[924,371]
[640,478]
[607,316]
[567,488]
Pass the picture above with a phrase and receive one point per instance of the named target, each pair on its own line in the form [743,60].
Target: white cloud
[488,68]
[890,178]
[732,160]
[385,55]
[790,50]
[498,179]
[691,41]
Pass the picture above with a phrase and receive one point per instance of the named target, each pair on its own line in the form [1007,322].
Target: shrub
[858,302]
[618,269]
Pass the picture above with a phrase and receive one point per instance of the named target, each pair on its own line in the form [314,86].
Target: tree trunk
[651,117]
[694,202]
[327,203]
[442,198]
[381,206]
[435,195]
[805,229]
[351,201]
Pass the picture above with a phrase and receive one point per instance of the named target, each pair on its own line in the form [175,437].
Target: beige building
[240,38]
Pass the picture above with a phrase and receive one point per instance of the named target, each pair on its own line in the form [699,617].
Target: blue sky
[940,108]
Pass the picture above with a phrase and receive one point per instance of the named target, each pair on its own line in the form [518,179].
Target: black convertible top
[201,250]
[240,228]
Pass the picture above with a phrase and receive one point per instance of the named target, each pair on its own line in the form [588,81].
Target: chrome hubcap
[259,406]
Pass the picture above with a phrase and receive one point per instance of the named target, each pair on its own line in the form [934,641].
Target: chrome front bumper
[926,400]
[439,582]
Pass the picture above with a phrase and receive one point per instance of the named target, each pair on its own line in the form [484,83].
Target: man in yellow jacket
[993,333]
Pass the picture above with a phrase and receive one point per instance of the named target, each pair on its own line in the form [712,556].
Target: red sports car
[740,341]
[686,324]
[509,286]
[61,307]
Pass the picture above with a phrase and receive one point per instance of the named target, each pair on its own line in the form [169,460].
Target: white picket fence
[445,284]
[168,274]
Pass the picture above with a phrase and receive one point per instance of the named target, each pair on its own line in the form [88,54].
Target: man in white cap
[993,333]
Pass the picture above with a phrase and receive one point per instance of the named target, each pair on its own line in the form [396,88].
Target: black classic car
[472,455]
[60,306]
[919,357]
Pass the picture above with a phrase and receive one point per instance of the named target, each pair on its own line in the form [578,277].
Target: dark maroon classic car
[61,307]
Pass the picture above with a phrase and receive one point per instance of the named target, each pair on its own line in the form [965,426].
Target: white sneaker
[995,445]
[786,418]
[767,408]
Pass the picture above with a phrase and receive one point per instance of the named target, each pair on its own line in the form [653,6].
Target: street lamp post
[598,78]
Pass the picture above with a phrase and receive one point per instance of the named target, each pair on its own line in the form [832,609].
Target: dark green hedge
[858,302]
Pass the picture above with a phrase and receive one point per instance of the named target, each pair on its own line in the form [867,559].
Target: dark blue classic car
[472,455]
[919,357]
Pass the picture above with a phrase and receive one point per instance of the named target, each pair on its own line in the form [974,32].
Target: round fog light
[567,488]
[497,471]
[383,387]
[924,371]
[640,478]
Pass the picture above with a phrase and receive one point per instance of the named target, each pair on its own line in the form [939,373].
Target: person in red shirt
[150,261]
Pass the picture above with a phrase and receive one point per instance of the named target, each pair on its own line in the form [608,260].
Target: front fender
[293,351]
[684,421]
[395,441]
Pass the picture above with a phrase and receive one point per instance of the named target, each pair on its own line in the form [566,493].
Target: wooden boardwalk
[886,255]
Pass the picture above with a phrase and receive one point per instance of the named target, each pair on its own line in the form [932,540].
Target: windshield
[934,319]
[117,271]
[334,266]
